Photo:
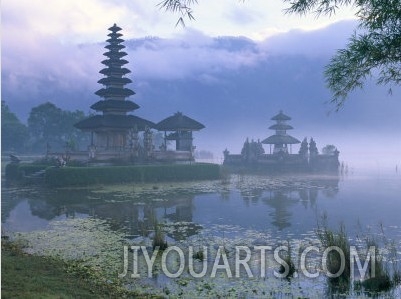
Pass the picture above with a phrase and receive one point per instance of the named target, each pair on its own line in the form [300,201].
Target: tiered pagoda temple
[281,139]
[114,130]
[116,134]
[308,159]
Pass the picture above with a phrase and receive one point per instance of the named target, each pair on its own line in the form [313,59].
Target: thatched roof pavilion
[179,122]
[182,126]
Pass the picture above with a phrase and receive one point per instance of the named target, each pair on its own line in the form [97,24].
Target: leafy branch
[183,7]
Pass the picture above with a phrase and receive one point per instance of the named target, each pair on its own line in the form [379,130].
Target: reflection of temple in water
[139,219]
[256,202]
[134,218]
[282,199]
[280,202]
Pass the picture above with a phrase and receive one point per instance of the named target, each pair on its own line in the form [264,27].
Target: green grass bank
[31,276]
[82,176]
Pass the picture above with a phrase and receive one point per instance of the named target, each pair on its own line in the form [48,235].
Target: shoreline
[53,277]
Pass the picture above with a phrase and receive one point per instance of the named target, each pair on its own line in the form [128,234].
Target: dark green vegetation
[159,239]
[381,281]
[14,133]
[73,176]
[48,128]
[198,255]
[339,239]
[17,172]
[81,176]
[289,272]
[50,125]
[373,49]
[30,276]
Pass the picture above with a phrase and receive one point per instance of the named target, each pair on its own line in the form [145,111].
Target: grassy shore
[91,175]
[30,276]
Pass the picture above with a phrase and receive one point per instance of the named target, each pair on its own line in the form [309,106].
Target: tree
[184,7]
[44,123]
[49,124]
[374,49]
[13,133]
[70,135]
[329,149]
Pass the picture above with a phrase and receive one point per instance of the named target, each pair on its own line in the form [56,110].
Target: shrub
[288,260]
[381,280]
[339,239]
[70,176]
[159,238]
[12,171]
[18,171]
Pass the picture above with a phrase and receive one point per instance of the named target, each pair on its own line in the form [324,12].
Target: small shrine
[281,158]
[281,139]
[114,130]
[180,128]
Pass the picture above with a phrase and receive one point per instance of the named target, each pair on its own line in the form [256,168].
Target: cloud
[312,43]
[243,15]
[43,66]
[188,56]
[25,67]
[67,20]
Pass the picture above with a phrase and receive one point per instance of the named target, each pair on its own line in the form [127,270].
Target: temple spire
[114,81]
[111,129]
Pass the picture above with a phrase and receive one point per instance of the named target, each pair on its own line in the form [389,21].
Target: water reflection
[133,217]
[279,204]
[265,201]
[284,195]
[250,210]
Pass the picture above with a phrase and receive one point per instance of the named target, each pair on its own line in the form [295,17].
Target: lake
[96,224]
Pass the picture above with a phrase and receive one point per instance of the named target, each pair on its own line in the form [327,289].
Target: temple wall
[173,156]
[285,162]
[110,140]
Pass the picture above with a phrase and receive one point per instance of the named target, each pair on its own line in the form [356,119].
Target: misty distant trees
[373,50]
[51,125]
[329,149]
[13,132]
[48,125]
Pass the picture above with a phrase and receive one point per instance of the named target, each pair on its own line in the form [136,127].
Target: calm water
[94,223]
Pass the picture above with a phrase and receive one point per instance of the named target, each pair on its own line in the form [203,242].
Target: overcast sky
[83,21]
[41,40]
